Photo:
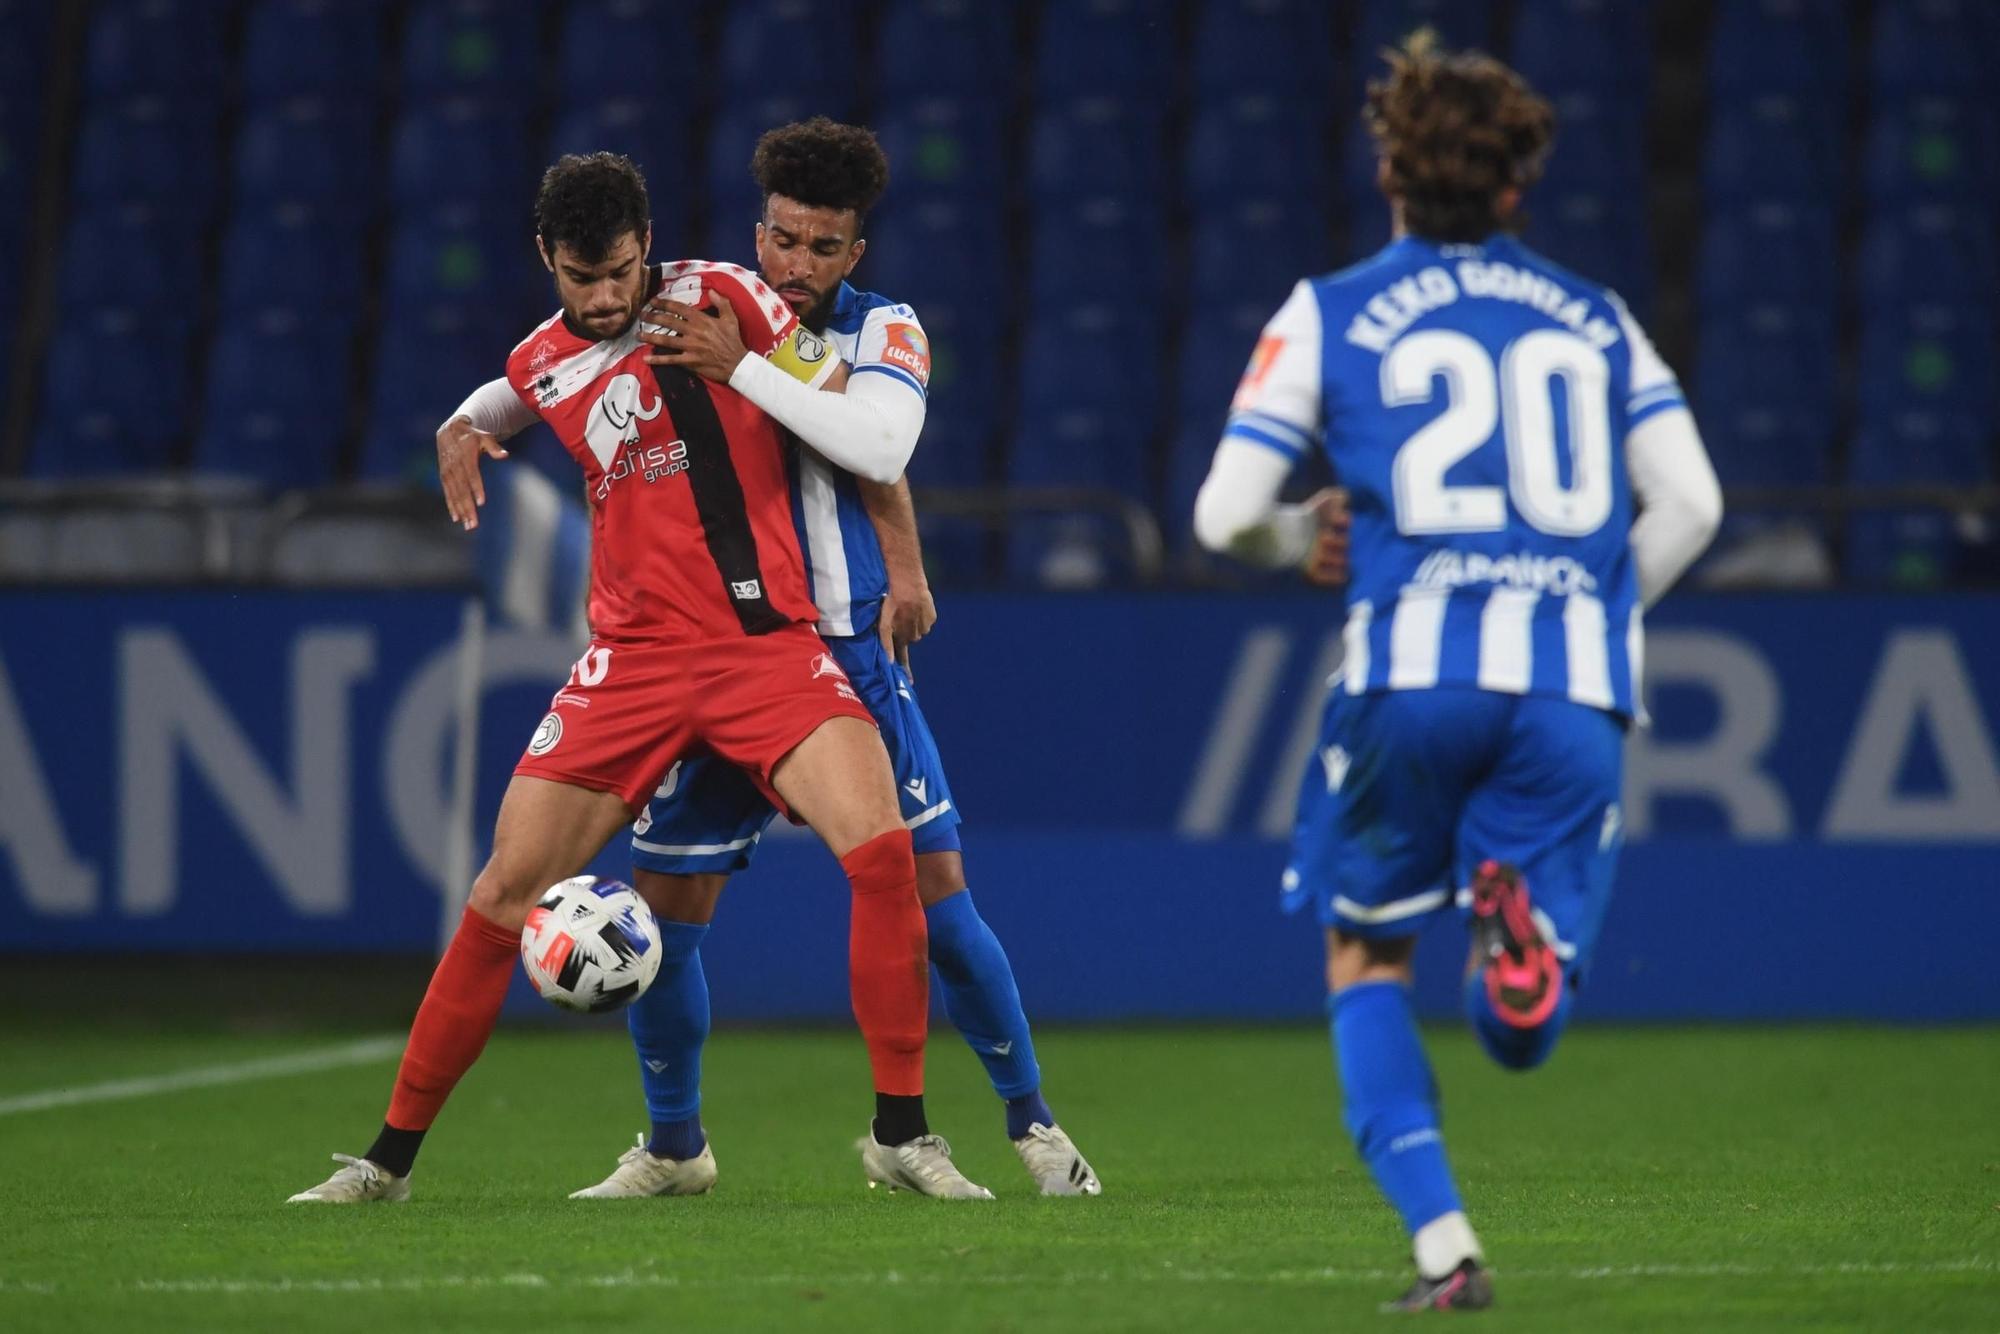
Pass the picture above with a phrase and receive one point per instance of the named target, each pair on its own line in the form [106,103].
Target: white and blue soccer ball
[591,945]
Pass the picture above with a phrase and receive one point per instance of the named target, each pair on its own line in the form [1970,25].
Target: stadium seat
[148,151]
[943,48]
[1600,238]
[638,50]
[654,136]
[1765,387]
[279,390]
[1253,252]
[131,256]
[489,49]
[1600,146]
[1913,548]
[427,358]
[1081,429]
[1934,150]
[309,151]
[805,49]
[462,152]
[172,49]
[464,256]
[1768,149]
[1257,146]
[1603,46]
[1932,47]
[1797,48]
[1094,148]
[1099,253]
[1385,23]
[1932,252]
[940,251]
[965,399]
[296,259]
[943,146]
[1271,48]
[1769,252]
[93,423]
[1932,357]
[1107,48]
[321,48]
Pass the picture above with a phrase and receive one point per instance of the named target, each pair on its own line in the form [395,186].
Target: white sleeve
[1277,404]
[871,430]
[1237,511]
[495,408]
[1680,503]
[1653,386]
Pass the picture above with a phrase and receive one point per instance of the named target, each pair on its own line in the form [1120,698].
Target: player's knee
[503,898]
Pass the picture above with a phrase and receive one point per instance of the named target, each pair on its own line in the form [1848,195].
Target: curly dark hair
[1456,128]
[588,201]
[822,163]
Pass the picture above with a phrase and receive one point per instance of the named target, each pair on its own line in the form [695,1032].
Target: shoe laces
[633,1154]
[368,1173]
[930,1157]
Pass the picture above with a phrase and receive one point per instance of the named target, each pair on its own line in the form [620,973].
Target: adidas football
[591,945]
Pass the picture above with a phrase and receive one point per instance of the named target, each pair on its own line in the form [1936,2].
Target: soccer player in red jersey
[702,638]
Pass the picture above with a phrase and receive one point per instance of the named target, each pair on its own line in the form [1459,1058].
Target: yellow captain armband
[805,356]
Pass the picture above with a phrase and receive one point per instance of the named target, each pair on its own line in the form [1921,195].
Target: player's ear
[542,249]
[855,252]
[646,242]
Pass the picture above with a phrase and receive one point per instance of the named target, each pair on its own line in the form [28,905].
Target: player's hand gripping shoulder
[460,445]
[706,339]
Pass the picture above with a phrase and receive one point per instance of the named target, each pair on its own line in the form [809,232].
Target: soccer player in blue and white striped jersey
[1522,477]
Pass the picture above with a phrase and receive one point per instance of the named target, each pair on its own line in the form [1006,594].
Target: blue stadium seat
[1769,252]
[1562,46]
[642,50]
[1931,357]
[1098,254]
[1080,428]
[1112,48]
[148,151]
[1932,252]
[1098,147]
[945,146]
[1934,150]
[943,48]
[1253,251]
[134,256]
[490,49]
[297,259]
[1793,47]
[324,48]
[1275,48]
[1385,23]
[655,137]
[1601,238]
[93,423]
[163,48]
[1256,146]
[464,256]
[965,399]
[462,152]
[427,358]
[279,389]
[1932,47]
[940,251]
[1913,548]
[1768,149]
[309,150]
[1600,146]
[1765,387]
[799,48]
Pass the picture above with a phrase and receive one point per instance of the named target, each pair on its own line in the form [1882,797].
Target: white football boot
[922,1165]
[357,1182]
[640,1174]
[1053,1161]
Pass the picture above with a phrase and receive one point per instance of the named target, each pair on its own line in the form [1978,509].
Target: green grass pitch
[1683,1179]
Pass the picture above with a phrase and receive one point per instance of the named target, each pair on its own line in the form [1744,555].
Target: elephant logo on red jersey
[614,419]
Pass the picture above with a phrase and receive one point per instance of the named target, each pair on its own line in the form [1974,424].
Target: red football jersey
[692,535]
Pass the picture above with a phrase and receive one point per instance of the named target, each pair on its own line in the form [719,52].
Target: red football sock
[888,961]
[456,1018]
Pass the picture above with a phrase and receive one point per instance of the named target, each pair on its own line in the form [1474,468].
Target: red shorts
[630,711]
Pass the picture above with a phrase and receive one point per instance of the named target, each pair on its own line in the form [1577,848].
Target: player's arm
[909,611]
[869,429]
[493,413]
[1673,483]
[1274,420]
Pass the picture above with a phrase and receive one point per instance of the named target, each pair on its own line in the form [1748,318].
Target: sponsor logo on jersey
[907,347]
[546,736]
[746,590]
[615,416]
[653,462]
[1261,360]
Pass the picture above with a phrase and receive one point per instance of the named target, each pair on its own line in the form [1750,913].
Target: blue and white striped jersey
[1475,401]
[875,336]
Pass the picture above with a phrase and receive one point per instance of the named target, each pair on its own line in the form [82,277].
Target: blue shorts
[708,815]
[1411,789]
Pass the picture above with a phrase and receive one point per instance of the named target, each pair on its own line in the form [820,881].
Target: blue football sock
[669,1024]
[1514,1048]
[980,997]
[1391,1102]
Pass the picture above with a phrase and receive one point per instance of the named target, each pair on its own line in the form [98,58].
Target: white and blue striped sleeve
[1277,403]
[1654,388]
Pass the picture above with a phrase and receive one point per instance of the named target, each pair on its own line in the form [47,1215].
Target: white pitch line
[932,1279]
[361,1052]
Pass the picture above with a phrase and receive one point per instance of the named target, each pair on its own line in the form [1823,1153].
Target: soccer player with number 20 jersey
[1496,422]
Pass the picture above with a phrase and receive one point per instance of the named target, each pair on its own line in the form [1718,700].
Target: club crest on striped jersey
[615,416]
